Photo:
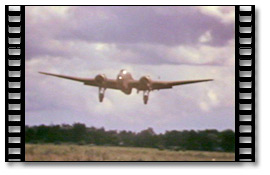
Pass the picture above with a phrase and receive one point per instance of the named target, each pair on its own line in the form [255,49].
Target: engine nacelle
[146,81]
[100,79]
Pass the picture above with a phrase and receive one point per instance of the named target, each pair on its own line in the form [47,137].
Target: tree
[146,138]
[78,132]
[227,138]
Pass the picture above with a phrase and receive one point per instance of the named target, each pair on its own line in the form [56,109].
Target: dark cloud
[125,25]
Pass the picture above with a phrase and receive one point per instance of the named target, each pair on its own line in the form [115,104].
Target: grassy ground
[50,152]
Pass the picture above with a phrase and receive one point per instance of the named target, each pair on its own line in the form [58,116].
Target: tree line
[204,140]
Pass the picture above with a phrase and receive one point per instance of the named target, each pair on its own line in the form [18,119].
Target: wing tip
[208,80]
[44,73]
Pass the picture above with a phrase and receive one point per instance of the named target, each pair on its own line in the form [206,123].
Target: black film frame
[245,83]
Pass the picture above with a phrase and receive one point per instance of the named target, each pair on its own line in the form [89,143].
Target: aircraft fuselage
[123,79]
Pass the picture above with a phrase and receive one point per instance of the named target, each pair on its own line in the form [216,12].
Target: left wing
[110,83]
[156,85]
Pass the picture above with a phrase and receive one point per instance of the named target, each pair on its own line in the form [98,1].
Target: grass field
[50,152]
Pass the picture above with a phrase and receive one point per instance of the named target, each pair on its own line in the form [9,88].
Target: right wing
[170,84]
[110,83]
[157,85]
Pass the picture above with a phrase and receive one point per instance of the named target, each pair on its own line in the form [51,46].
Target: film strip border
[245,83]
[15,83]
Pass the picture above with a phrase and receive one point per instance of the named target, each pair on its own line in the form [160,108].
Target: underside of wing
[170,84]
[109,83]
[83,80]
[163,84]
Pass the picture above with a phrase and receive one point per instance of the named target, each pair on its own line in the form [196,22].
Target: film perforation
[245,38]
[14,74]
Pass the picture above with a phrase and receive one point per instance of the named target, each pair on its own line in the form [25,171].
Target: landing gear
[101,93]
[145,96]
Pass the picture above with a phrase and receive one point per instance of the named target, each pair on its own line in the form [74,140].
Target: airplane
[125,82]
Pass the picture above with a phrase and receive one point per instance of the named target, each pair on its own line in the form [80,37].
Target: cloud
[199,54]
[224,13]
[206,37]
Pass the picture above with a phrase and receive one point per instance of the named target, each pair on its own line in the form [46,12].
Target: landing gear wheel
[101,96]
[145,99]
[101,92]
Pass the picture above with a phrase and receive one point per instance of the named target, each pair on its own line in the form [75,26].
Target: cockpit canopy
[123,71]
[124,74]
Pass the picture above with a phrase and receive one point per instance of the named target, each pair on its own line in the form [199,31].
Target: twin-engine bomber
[126,83]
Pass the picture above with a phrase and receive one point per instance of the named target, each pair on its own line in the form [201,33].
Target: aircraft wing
[156,85]
[170,84]
[110,83]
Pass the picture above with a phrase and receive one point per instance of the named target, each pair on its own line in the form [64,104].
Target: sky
[167,43]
